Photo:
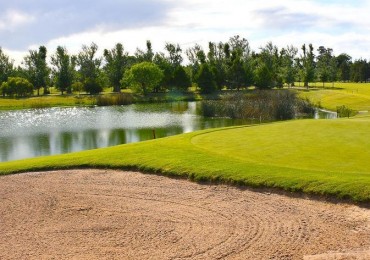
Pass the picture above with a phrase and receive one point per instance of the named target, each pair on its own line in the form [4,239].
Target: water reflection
[38,132]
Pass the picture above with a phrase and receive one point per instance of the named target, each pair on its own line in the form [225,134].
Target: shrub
[92,86]
[17,86]
[343,111]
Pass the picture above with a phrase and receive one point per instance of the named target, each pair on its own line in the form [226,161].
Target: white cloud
[342,25]
[13,19]
[16,56]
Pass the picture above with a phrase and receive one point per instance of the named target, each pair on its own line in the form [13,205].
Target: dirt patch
[98,214]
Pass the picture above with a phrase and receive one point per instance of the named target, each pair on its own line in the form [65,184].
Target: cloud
[342,25]
[53,19]
[281,18]
[12,19]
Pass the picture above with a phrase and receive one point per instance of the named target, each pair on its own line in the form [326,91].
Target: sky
[341,25]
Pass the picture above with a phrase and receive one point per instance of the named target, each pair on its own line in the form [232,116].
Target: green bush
[344,111]
[16,86]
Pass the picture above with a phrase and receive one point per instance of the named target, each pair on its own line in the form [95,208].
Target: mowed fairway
[353,95]
[325,157]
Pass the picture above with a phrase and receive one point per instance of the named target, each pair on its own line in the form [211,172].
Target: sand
[107,214]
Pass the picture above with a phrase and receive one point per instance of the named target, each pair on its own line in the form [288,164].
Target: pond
[37,132]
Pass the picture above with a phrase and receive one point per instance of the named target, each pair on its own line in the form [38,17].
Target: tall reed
[114,99]
[263,104]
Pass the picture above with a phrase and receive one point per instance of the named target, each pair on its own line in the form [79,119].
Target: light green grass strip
[326,157]
[45,101]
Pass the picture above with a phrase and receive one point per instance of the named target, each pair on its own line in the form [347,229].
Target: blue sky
[341,25]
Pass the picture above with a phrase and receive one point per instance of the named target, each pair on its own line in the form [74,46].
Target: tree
[360,71]
[307,65]
[237,72]
[174,54]
[37,69]
[333,70]
[77,87]
[344,62]
[267,67]
[147,55]
[206,79]
[238,63]
[196,57]
[262,76]
[181,79]
[64,69]
[6,67]
[116,62]
[143,77]
[89,69]
[288,69]
[241,45]
[178,77]
[326,65]
[16,86]
[162,62]
[217,62]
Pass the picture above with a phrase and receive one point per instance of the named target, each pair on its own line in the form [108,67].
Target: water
[38,132]
[326,114]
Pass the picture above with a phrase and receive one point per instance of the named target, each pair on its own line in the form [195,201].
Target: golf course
[280,190]
[322,157]
[194,130]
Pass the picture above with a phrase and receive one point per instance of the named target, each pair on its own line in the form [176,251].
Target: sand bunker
[105,214]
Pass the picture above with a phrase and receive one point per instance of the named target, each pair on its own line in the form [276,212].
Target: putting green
[324,145]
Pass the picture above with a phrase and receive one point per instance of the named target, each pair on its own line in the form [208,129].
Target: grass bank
[356,96]
[104,99]
[46,101]
[325,157]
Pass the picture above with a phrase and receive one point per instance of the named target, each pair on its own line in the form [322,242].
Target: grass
[106,98]
[356,96]
[54,99]
[325,157]
[45,101]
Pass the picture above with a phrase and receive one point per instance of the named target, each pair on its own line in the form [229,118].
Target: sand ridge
[108,214]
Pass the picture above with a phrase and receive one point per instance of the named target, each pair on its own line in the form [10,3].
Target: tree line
[232,65]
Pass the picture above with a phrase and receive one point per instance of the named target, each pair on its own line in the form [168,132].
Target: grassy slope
[353,95]
[328,157]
